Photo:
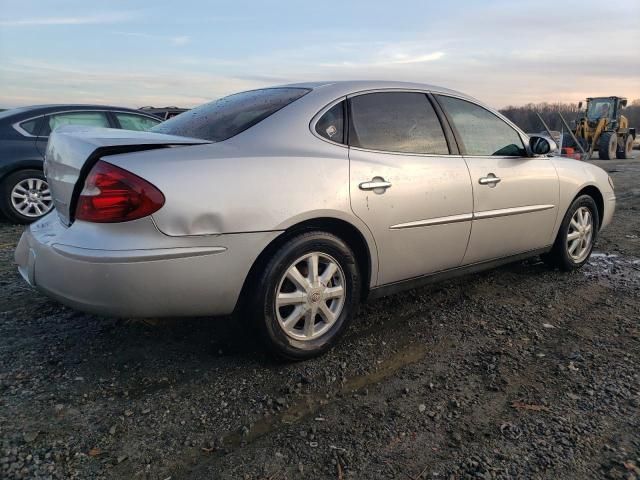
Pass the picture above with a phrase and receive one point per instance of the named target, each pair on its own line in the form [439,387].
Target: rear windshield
[228,116]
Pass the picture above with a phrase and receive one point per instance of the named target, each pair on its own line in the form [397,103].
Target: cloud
[101,18]
[178,41]
[181,40]
[27,81]
[501,54]
[402,58]
[385,58]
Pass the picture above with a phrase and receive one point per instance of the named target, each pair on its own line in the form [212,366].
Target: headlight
[611,183]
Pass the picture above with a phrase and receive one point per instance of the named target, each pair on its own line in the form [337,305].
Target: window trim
[456,148]
[16,126]
[316,118]
[524,138]
[453,148]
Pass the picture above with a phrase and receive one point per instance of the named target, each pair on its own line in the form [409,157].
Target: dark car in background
[24,132]
[164,113]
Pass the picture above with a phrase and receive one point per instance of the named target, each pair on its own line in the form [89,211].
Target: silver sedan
[293,204]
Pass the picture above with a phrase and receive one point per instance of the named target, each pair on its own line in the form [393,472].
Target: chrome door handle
[377,183]
[490,180]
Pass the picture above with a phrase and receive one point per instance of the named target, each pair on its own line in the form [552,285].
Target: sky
[187,52]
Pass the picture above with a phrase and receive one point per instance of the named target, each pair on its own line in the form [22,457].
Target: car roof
[361,85]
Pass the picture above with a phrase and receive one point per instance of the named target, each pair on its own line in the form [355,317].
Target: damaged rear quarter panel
[221,188]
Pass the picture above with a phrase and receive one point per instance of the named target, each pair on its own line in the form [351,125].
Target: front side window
[87,119]
[131,121]
[229,116]
[482,132]
[396,122]
[331,124]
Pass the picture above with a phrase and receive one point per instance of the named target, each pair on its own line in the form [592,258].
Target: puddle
[613,269]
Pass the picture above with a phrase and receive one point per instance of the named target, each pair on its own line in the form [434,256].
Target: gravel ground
[520,372]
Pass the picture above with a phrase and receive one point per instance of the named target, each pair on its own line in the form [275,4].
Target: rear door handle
[490,180]
[378,184]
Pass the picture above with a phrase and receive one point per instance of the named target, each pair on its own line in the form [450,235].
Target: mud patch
[613,269]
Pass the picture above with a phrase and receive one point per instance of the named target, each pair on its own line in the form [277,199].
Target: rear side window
[229,116]
[331,124]
[396,122]
[131,121]
[30,126]
[87,119]
[482,132]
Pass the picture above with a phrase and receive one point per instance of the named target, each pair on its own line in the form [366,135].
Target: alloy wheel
[580,234]
[31,197]
[310,296]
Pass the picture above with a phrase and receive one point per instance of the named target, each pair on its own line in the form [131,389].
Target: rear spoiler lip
[104,137]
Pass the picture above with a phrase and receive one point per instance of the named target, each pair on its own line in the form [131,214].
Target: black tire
[626,148]
[269,282]
[559,255]
[608,145]
[6,187]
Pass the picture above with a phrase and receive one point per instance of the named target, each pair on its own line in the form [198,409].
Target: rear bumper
[181,277]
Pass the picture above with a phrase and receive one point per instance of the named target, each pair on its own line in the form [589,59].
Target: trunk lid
[72,151]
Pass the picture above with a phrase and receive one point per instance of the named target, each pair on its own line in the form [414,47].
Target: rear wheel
[627,146]
[25,196]
[576,236]
[608,145]
[307,295]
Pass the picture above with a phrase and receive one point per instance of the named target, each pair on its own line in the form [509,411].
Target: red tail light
[112,194]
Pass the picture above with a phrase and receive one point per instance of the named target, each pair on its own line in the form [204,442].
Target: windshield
[228,116]
[599,108]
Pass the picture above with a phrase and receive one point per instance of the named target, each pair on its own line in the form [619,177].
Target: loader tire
[625,149]
[608,145]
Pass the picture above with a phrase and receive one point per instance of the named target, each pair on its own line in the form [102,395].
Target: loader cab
[604,107]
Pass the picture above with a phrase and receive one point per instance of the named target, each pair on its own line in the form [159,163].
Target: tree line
[525,116]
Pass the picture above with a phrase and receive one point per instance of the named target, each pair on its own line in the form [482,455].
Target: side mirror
[623,103]
[579,105]
[542,145]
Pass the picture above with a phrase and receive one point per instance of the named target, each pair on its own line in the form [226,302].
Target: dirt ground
[520,372]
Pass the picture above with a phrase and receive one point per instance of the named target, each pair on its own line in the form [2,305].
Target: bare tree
[525,116]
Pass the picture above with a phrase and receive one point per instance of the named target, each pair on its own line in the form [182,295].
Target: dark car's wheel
[307,295]
[25,196]
[576,236]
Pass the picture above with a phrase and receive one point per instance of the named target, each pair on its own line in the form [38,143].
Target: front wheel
[25,196]
[307,295]
[608,145]
[576,236]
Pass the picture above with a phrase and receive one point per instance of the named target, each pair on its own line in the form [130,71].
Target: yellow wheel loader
[601,127]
